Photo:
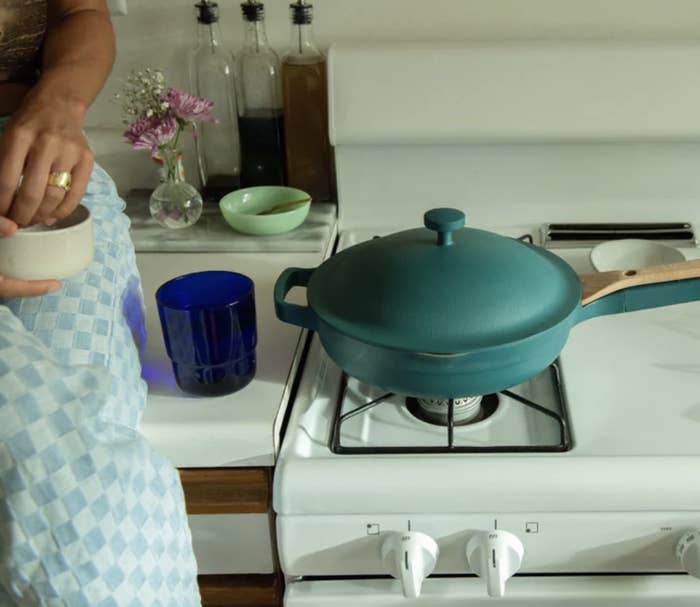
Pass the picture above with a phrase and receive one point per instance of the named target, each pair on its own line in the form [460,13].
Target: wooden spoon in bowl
[282,206]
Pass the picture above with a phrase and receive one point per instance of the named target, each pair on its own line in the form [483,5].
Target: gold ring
[60,179]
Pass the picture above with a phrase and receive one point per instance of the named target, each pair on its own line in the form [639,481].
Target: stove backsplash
[527,133]
[520,184]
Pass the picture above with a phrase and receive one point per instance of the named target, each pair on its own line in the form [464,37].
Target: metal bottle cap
[302,13]
[253,11]
[207,12]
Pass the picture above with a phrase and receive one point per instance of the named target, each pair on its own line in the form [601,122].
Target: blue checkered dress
[90,515]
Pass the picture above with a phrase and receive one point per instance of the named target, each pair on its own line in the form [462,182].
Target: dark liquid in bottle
[306,128]
[219,185]
[262,148]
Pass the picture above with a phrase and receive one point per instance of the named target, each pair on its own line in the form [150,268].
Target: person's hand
[44,136]
[11,287]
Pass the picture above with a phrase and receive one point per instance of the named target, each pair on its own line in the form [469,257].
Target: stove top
[628,402]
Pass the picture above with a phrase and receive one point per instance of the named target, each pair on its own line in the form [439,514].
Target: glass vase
[175,203]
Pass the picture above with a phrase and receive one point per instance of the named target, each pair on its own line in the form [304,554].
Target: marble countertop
[212,234]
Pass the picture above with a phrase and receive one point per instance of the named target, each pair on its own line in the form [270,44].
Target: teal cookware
[447,311]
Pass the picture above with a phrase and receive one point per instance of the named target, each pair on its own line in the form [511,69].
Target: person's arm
[45,133]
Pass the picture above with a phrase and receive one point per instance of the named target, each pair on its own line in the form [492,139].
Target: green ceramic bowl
[240,209]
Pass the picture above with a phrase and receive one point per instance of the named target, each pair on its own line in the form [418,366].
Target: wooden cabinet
[221,491]
[226,490]
[240,590]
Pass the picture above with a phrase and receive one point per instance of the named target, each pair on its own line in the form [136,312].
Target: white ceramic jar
[49,252]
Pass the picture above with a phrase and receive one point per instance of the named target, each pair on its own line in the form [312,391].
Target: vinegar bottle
[308,151]
[260,107]
[212,74]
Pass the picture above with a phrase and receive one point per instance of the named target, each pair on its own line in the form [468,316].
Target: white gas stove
[580,485]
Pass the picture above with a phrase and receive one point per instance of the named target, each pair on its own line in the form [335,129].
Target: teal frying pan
[447,311]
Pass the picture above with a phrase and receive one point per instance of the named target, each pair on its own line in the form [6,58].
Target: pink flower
[150,133]
[189,107]
[137,129]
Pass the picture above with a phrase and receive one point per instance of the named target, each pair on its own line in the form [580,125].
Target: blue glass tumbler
[208,322]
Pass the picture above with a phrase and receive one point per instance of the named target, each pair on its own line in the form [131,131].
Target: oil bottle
[260,107]
[307,149]
[212,75]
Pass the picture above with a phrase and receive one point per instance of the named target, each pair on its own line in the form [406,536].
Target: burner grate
[561,418]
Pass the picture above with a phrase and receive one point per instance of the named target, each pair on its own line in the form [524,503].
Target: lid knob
[444,222]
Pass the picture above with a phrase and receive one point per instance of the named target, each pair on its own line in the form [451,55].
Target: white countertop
[239,429]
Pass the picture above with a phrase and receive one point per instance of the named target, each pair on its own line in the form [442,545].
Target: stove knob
[688,552]
[410,557]
[495,555]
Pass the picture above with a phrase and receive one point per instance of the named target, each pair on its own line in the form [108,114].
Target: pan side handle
[302,316]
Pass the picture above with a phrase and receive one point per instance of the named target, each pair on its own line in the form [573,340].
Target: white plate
[632,253]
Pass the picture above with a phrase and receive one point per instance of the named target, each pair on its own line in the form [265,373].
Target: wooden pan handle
[601,284]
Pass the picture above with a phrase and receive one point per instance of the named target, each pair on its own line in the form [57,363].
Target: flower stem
[177,135]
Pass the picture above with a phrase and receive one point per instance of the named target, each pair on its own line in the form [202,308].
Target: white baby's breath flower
[143,92]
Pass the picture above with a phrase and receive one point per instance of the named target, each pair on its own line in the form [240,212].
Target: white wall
[160,32]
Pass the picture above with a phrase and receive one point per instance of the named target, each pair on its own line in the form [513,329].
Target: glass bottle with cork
[307,148]
[260,105]
[212,75]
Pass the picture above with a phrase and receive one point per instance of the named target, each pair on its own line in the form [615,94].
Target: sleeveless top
[22,30]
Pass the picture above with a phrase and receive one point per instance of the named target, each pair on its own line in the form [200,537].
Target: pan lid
[443,289]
